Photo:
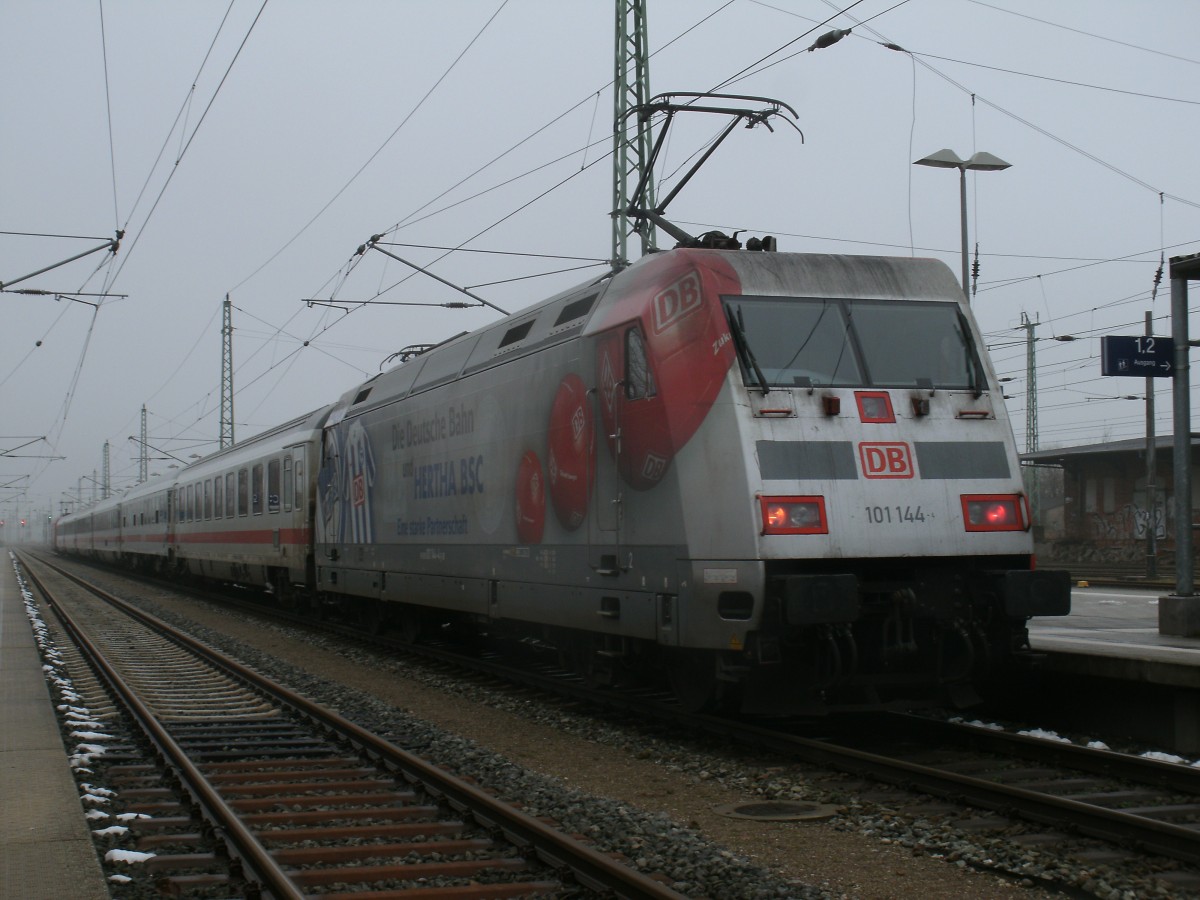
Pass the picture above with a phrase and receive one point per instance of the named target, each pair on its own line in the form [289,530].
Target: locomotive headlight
[793,515]
[995,512]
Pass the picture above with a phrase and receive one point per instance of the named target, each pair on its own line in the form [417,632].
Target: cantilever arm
[373,244]
[112,245]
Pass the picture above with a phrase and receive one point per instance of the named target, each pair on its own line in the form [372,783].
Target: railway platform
[1107,661]
[47,852]
[1113,631]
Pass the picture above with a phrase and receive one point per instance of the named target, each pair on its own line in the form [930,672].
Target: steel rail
[1153,835]
[270,877]
[1093,760]
[590,867]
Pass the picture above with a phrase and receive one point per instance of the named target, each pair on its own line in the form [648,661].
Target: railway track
[236,782]
[1130,801]
[1071,792]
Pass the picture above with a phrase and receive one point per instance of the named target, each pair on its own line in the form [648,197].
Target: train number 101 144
[886,515]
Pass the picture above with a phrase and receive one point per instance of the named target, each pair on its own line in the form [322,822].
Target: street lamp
[979,162]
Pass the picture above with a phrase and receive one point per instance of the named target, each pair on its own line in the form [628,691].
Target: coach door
[169,526]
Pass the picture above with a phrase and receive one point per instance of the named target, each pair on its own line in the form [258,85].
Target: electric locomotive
[785,482]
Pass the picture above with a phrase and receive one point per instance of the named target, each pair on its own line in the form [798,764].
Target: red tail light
[793,515]
[995,512]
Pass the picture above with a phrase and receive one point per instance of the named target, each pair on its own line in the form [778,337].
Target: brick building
[1090,502]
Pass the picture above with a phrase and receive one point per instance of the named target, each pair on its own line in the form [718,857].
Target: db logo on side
[675,302]
[885,460]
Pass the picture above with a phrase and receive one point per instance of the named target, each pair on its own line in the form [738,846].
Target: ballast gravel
[653,795]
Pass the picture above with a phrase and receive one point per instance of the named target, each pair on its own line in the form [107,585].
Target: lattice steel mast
[1031,398]
[143,460]
[631,133]
[1033,483]
[227,439]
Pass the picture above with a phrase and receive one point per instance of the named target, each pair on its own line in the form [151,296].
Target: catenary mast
[226,439]
[631,133]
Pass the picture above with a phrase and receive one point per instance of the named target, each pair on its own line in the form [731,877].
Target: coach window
[256,491]
[208,498]
[299,484]
[639,380]
[243,492]
[230,497]
[218,498]
[273,485]
[188,508]
[288,486]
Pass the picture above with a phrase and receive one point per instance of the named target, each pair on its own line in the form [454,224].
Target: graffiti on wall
[1130,522]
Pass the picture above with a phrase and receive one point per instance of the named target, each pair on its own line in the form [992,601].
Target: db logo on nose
[885,460]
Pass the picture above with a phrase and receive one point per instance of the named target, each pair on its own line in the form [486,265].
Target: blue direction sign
[1144,356]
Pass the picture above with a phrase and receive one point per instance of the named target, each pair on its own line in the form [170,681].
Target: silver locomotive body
[784,480]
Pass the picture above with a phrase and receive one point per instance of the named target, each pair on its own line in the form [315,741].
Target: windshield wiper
[745,354]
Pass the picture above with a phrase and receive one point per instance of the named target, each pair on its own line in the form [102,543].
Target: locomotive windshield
[794,341]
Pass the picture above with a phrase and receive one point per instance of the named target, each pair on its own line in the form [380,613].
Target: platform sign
[1144,356]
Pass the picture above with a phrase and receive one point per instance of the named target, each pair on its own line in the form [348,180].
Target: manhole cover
[778,811]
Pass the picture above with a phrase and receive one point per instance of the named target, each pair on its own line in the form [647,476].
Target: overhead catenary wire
[753,67]
[886,42]
[112,152]
[1130,258]
[1038,128]
[356,258]
[75,237]
[344,272]
[1099,37]
[1009,282]
[183,151]
[1066,81]
[185,105]
[407,118]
